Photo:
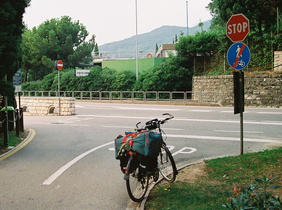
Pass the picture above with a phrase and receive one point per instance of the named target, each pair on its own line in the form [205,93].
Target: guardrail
[161,96]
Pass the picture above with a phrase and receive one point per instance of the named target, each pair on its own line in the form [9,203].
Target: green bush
[255,196]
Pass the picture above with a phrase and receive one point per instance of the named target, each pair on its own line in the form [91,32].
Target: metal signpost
[238,57]
[59,66]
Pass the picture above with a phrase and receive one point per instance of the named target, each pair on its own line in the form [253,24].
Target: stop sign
[60,65]
[237,27]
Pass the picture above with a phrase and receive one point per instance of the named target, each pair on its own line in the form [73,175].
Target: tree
[264,36]
[261,13]
[11,13]
[172,75]
[55,39]
[198,49]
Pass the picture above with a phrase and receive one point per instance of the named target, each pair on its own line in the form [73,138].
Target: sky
[115,20]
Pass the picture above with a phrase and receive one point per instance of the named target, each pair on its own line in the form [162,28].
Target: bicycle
[139,169]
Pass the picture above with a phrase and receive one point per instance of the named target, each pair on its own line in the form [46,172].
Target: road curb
[28,139]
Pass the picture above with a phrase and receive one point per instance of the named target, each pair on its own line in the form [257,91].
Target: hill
[147,42]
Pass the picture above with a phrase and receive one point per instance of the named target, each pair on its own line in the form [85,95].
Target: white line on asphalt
[270,112]
[226,131]
[128,127]
[220,138]
[202,110]
[59,172]
[192,120]
[149,109]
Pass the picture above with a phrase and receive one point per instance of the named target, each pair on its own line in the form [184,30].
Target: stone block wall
[260,90]
[47,105]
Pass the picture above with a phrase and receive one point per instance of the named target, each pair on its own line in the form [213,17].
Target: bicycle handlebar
[155,123]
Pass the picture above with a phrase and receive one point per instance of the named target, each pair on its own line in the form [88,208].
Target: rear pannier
[147,143]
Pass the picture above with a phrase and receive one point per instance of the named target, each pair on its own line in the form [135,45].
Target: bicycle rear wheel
[137,185]
[167,165]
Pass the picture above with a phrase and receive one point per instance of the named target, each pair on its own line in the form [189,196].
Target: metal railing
[158,96]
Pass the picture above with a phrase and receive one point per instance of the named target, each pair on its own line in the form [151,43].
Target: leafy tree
[198,49]
[11,13]
[261,13]
[168,76]
[264,36]
[55,39]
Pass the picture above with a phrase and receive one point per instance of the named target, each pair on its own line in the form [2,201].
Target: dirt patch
[191,173]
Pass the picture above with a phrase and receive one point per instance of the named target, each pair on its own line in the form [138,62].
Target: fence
[133,96]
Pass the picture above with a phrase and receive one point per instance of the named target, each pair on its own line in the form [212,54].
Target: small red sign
[60,65]
[237,27]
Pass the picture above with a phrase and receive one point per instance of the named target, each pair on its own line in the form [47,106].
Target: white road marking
[269,112]
[226,131]
[185,150]
[202,110]
[128,127]
[191,120]
[220,138]
[149,109]
[59,172]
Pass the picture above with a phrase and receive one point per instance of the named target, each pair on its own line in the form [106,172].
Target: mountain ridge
[147,41]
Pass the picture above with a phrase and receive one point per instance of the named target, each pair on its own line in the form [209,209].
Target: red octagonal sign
[237,27]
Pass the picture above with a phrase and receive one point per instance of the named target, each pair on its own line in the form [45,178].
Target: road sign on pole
[237,27]
[238,56]
[59,65]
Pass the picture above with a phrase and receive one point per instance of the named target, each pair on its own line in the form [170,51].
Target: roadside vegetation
[248,181]
[14,140]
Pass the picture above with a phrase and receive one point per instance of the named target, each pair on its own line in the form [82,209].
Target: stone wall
[47,105]
[260,90]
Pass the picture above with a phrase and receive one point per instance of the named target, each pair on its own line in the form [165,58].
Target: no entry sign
[59,65]
[237,27]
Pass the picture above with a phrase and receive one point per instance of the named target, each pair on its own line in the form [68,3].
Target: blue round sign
[238,55]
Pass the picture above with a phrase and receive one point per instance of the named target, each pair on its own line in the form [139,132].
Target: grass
[13,140]
[212,190]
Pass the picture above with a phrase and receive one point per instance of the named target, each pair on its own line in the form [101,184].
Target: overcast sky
[114,20]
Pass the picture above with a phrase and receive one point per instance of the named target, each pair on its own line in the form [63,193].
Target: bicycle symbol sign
[238,55]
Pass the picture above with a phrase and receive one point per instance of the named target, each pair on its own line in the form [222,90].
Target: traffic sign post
[238,57]
[59,65]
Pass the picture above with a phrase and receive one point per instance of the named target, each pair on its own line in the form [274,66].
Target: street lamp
[136,41]
[187,18]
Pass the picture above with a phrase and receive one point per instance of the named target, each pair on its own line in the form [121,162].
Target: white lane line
[220,138]
[128,127]
[226,131]
[198,110]
[147,109]
[59,172]
[189,120]
[270,112]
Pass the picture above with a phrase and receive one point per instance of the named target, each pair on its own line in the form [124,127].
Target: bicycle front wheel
[167,165]
[137,185]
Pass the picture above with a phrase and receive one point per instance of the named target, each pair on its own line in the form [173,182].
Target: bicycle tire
[167,165]
[137,185]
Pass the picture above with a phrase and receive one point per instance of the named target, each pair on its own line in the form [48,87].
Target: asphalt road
[70,163]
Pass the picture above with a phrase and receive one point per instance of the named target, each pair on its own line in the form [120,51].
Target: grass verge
[215,184]
[13,140]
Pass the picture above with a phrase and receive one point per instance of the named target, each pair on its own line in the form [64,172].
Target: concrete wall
[278,61]
[47,105]
[260,90]
[130,64]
